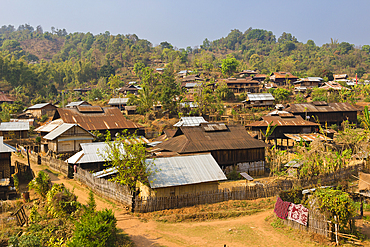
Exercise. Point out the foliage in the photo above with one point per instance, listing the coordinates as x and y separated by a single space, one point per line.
336 203
128 159
224 92
41 184
61 202
280 94
27 240
270 129
98 229
294 196
16 181
234 175
229 66
91 204
43 118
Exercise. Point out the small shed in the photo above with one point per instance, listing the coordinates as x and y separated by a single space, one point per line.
181 175
67 138
14 130
259 99
39 110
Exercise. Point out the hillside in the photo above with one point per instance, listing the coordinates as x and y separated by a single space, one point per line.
43 48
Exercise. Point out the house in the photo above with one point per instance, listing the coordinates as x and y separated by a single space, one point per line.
231 146
180 175
92 156
130 109
340 77
14 130
30 121
282 78
330 113
259 77
120 103
243 85
191 78
96 118
66 138
129 89
6 183
39 110
77 103
82 90
5 99
160 70
333 86
259 99
48 127
286 123
246 73
5 159
309 82
190 121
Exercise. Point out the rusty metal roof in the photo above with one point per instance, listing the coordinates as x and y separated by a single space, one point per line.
196 139
109 118
282 121
308 137
311 107
281 74
333 85
4 98
88 108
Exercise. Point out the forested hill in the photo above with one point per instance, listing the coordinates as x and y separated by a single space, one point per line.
42 61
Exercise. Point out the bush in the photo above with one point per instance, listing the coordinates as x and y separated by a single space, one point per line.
61 202
41 184
27 240
95 230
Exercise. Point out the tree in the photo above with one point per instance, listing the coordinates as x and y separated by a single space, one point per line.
128 157
114 82
224 92
165 44
229 66
138 67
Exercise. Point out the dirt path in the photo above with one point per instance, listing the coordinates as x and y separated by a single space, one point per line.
251 230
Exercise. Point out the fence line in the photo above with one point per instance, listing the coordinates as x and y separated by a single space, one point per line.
150 204
55 164
105 188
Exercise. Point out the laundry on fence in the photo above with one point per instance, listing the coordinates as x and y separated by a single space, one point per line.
281 208
298 213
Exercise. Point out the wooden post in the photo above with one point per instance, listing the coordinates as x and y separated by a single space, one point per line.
336 230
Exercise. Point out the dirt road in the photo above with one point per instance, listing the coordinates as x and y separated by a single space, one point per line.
251 230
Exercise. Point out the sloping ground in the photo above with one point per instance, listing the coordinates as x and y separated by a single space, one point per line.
43 48
256 228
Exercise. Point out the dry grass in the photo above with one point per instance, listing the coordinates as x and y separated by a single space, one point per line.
222 210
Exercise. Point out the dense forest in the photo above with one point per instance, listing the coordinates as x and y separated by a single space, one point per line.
37 65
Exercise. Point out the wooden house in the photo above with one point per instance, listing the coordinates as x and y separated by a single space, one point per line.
242 85
5 159
5 99
247 73
309 82
180 175
330 113
14 130
42 109
286 123
260 77
259 99
129 89
340 77
282 78
97 118
231 146
130 109
333 86
66 139
120 103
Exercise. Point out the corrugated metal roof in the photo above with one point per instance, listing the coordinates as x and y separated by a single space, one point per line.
4 98
118 101
184 170
192 84
89 109
190 121
260 96
282 121
91 153
63 128
49 126
330 107
77 103
38 106
14 126
5 148
333 85
196 139
110 118
308 137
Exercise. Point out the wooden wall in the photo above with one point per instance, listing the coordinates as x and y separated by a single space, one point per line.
5 165
230 157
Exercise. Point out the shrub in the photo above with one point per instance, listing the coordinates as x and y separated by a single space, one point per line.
61 201
95 230
41 184
27 240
